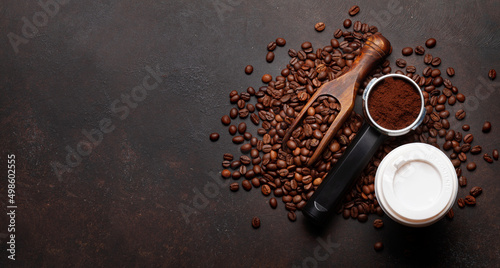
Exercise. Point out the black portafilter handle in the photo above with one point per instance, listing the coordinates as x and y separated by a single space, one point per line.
345 172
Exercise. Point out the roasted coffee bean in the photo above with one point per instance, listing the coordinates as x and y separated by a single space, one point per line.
234 186
456 162
476 149
460 114
271 46
255 182
238 139
462 157
466 148
486 127
468 138
407 51
357 26
225 120
246 185
470 200
232 130
267 78
419 50
280 41
292 216
347 23
354 10
226 173
255 119
245 148
427 58
270 56
362 217
378 223
273 203
228 156
471 166
248 69
243 113
401 63
452 100
438 81
495 154
450 71
226 163
411 69
462 181
255 222
476 191
320 26
265 189
460 97
492 74
465 127
233 113
242 128
236 175
214 136
430 43
378 246
487 158
461 202
245 160
450 214
346 213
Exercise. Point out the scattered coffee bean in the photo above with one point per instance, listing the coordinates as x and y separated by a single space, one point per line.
232 129
468 138
407 51
476 149
492 74
461 202
430 43
248 69
378 246
466 127
265 189
270 56
271 46
476 191
347 23
495 154
292 216
470 200
462 181
320 26
471 166
246 185
450 71
226 173
267 78
280 41
460 97
427 59
273 203
354 10
245 148
450 214
214 136
401 63
378 223
234 186
255 222
419 50
225 120
487 158
486 127
460 114
436 61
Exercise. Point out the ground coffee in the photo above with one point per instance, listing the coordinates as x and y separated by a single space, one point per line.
394 103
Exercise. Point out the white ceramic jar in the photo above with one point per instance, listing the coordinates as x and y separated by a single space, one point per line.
416 184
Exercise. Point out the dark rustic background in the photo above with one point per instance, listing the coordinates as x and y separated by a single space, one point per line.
122 204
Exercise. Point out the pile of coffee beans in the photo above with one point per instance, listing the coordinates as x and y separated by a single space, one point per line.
281 172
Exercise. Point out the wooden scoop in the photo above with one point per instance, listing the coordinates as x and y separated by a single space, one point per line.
344 89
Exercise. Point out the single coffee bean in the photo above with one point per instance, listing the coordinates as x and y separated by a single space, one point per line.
248 69
486 127
238 139
362 217
236 175
265 189
468 138
245 160
460 97
438 81
435 73
320 26
419 50
273 203
214 136
470 200
462 157
292 216
280 41
456 162
245 148
378 246
411 69
487 158
450 214
466 127
460 114
492 74
471 166
378 223
267 78
232 130
246 185
476 191
466 148
495 154
242 127
401 63
271 46
354 10
450 71
430 43
234 186
427 58
347 23
233 113
407 51
255 222
306 45
462 181
461 202
228 156
226 173
476 149
270 56
225 120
